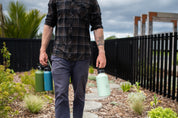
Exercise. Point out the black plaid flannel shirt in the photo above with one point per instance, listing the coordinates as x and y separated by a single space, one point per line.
72 19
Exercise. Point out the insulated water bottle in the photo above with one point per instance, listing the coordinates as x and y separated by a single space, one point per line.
48 82
102 83
39 80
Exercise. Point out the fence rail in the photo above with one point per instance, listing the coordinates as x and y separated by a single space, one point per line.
150 60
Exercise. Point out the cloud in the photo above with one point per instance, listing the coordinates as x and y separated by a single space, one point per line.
117 15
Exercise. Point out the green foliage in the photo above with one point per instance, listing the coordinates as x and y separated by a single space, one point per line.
114 103
159 112
19 23
49 98
91 70
125 86
29 79
33 103
92 77
91 85
111 37
136 101
137 86
6 55
155 101
9 90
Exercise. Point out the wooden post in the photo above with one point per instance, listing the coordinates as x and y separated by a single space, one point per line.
136 19
143 25
174 25
150 22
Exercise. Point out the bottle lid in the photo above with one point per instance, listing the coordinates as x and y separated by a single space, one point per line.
39 68
47 68
101 70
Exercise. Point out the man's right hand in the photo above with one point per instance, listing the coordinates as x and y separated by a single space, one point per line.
43 58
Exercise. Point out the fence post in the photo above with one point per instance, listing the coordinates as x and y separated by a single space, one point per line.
174 67
165 68
170 66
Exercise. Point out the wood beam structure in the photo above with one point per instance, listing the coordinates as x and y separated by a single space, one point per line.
136 20
143 24
162 17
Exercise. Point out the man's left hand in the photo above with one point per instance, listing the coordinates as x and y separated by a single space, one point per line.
101 60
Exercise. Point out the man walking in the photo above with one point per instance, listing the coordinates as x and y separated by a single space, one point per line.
71 51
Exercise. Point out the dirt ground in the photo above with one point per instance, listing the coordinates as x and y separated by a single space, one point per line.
115 106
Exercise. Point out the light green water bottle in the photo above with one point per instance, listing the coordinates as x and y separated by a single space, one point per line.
102 83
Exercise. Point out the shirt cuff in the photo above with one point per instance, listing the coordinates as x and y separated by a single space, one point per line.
96 27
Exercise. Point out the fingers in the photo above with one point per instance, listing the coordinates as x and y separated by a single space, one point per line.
97 63
100 63
43 59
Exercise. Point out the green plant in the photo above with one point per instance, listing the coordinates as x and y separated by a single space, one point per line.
137 86
91 70
6 55
92 77
49 98
19 23
125 86
114 103
9 90
155 101
159 112
33 103
91 85
28 78
136 101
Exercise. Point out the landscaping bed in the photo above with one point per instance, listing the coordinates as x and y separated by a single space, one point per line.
114 106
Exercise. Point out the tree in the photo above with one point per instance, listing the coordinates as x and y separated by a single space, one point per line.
21 24
111 37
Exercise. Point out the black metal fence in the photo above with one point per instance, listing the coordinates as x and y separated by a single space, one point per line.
150 60
24 53
155 61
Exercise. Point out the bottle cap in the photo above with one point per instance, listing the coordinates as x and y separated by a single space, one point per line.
47 68
39 68
101 70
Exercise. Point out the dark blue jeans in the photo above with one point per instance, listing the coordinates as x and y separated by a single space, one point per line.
62 70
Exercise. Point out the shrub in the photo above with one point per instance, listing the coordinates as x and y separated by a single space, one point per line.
125 86
29 79
9 90
155 101
92 77
6 55
159 112
136 101
91 70
91 85
33 103
137 86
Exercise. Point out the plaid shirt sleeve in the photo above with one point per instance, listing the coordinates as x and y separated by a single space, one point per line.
95 16
51 17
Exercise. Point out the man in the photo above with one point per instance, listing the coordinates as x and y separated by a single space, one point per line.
71 51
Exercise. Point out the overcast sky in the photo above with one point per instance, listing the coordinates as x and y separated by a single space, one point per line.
117 15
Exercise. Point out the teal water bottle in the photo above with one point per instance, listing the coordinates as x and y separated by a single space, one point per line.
39 80
102 83
48 82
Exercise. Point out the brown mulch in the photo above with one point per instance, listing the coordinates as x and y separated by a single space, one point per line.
115 106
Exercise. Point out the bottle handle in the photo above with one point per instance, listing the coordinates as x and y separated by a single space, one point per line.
49 64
